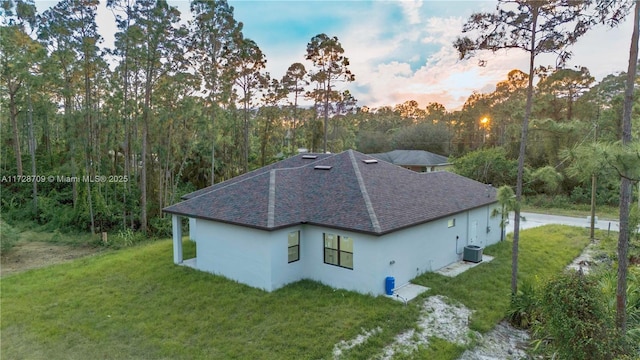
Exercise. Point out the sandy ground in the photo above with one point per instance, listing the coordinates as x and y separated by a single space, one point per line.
439 318
343 346
503 342
585 260
32 255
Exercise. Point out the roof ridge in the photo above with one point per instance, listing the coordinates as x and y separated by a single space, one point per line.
230 184
365 194
271 207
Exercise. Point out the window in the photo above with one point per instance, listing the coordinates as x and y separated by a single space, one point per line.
452 222
294 246
338 250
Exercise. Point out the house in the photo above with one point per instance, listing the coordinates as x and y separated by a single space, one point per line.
347 220
416 160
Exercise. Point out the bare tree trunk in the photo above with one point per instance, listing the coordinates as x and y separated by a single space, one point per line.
89 197
213 160
127 141
16 133
143 178
71 141
326 115
626 186
245 134
90 145
213 142
144 155
523 147
32 152
294 146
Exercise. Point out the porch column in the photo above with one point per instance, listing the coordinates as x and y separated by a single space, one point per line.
177 239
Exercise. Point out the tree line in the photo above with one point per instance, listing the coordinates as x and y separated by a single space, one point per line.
181 106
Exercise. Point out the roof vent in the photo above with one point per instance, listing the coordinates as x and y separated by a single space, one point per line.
309 156
322 167
370 161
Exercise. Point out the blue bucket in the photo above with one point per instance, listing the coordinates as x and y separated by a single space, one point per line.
389 285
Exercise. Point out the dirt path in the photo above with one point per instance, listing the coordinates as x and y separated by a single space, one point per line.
35 254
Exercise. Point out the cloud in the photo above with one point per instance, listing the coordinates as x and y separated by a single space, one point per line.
436 79
411 9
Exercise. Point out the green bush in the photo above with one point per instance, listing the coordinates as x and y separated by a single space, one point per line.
489 166
580 195
8 237
607 279
161 227
524 310
124 238
576 321
557 201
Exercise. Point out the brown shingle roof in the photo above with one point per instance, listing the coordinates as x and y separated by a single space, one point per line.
412 157
373 198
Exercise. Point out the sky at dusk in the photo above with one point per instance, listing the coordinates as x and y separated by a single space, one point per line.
398 50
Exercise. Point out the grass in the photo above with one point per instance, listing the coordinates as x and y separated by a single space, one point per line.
30 231
438 349
543 252
136 304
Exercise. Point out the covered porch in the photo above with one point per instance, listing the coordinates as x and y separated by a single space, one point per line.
178 254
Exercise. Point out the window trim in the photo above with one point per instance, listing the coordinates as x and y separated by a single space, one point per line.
289 261
337 250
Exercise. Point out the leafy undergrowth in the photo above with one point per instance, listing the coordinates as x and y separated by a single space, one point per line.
9 236
543 252
136 304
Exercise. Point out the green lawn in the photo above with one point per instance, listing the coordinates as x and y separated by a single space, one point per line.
544 251
135 304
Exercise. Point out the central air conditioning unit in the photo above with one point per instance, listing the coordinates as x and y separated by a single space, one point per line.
472 253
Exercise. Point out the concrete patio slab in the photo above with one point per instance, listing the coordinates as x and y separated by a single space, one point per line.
407 292
192 263
459 267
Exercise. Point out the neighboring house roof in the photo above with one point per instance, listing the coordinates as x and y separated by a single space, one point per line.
412 157
375 198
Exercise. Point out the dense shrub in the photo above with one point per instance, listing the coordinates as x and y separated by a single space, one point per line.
122 239
580 195
8 237
572 315
524 310
555 202
576 321
488 166
161 227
